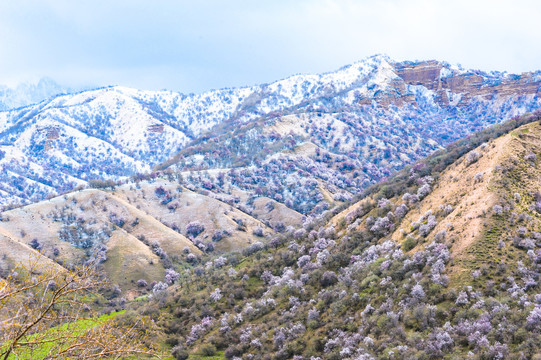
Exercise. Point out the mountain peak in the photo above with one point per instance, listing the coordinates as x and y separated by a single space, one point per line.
28 93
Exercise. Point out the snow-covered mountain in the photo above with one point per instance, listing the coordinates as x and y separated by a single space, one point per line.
28 93
375 115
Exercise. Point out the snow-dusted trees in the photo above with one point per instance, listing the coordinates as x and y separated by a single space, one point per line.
194 228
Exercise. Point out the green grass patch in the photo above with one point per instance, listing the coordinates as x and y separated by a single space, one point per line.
220 355
74 328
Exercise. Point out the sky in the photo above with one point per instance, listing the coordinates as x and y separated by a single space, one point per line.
198 45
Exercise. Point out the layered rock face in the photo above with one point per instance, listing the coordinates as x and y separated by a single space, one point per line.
447 81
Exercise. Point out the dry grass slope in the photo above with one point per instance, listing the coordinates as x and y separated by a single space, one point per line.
473 189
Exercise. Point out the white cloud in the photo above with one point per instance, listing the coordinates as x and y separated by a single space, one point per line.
194 46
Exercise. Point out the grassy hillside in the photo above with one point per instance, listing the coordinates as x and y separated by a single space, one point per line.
47 338
441 261
135 231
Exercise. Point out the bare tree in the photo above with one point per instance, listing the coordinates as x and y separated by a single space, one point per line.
44 313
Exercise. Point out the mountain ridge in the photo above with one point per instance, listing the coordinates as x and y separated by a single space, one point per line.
115 133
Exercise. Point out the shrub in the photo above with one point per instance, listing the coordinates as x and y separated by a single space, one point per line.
194 228
279 226
171 276
472 157
534 318
258 231
232 352
101 184
36 244
425 229
179 353
423 191
409 243
531 156
208 350
217 236
328 278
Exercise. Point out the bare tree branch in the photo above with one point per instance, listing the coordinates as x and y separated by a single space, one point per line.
41 310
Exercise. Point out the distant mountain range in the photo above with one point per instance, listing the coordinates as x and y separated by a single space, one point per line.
28 93
330 135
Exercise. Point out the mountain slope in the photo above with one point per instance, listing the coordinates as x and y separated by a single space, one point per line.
481 189
85 226
135 231
398 275
15 253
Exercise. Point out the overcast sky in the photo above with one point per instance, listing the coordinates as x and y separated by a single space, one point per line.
193 46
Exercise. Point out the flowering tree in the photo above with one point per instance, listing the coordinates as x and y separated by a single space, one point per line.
171 276
216 295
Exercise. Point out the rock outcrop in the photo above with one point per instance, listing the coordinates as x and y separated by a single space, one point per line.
447 81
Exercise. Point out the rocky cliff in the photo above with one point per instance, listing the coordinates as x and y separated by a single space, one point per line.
449 82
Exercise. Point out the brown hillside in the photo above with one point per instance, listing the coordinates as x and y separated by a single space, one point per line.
134 219
187 206
487 197
129 256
